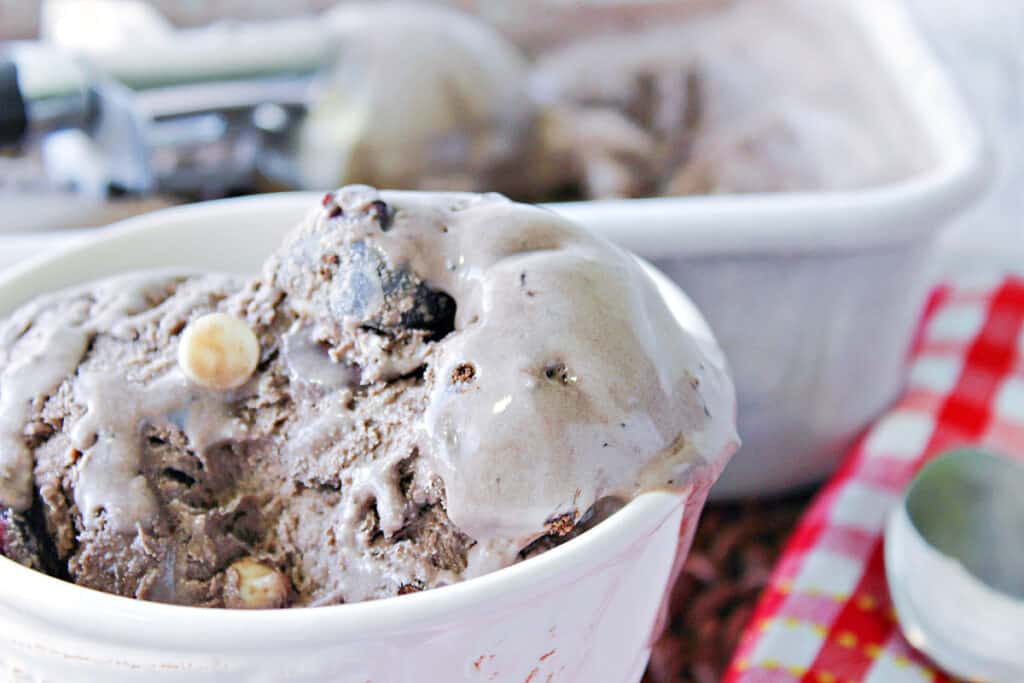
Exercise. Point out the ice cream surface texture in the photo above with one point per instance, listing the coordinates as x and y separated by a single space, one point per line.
420 388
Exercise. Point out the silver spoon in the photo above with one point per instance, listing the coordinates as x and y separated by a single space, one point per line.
954 556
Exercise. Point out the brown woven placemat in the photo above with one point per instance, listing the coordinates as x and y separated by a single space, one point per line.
732 557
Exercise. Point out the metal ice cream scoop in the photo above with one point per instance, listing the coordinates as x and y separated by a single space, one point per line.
954 554
138 124
118 101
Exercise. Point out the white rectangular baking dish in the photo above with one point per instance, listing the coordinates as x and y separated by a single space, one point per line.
815 296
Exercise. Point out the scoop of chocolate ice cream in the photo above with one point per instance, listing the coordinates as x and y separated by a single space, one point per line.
418 389
420 96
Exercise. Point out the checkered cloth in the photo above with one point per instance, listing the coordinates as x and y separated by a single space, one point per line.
826 616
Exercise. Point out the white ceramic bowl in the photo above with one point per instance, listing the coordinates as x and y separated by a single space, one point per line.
585 611
815 296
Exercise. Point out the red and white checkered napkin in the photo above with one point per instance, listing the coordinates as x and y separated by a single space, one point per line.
826 616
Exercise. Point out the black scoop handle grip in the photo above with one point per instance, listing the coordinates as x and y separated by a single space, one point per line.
13 112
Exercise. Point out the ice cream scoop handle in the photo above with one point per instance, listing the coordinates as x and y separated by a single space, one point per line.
13 112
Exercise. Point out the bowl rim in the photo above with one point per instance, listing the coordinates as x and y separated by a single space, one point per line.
115 619
66 606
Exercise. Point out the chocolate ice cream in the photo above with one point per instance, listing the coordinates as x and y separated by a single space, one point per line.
765 96
418 389
711 98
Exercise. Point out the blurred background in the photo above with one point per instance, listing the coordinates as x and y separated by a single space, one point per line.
244 148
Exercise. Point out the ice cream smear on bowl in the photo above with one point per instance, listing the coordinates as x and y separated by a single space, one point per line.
420 388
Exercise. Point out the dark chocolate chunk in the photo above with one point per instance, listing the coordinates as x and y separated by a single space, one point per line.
388 300
22 542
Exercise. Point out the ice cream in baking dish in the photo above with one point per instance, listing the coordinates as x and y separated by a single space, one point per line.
749 97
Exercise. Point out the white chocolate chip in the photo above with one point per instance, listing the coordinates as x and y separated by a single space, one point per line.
218 351
252 584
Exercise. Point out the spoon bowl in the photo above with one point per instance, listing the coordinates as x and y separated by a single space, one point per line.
954 555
